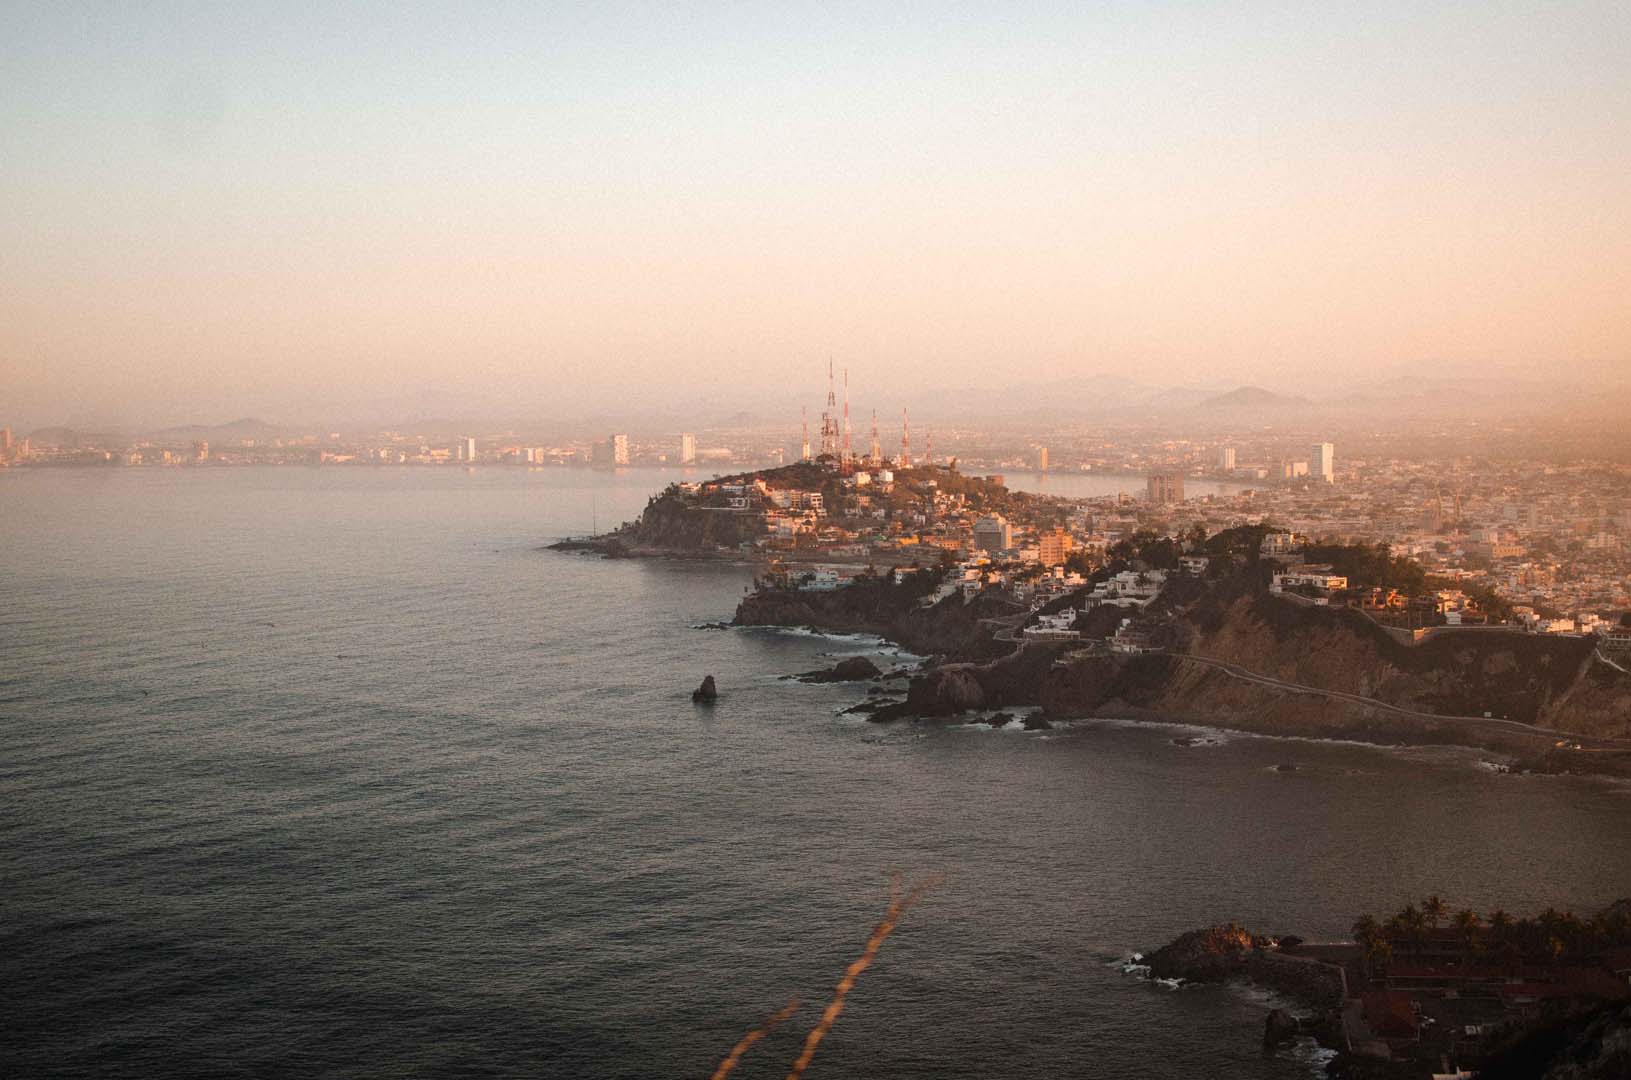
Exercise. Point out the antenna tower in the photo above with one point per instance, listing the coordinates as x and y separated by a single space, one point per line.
829 421
877 451
846 416
905 441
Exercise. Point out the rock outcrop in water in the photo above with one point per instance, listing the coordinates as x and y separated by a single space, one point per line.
1210 955
707 693
877 606
852 669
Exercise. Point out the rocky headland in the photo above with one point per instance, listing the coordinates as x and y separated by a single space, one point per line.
1239 658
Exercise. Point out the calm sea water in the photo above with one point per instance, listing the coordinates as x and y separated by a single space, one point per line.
333 772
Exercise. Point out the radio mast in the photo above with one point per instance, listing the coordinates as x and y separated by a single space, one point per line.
829 421
846 417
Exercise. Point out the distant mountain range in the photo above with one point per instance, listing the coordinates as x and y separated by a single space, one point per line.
1253 397
1107 400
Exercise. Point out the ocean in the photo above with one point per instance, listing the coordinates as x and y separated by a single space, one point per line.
334 772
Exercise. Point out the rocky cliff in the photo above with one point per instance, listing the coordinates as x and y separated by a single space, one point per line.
1550 681
950 628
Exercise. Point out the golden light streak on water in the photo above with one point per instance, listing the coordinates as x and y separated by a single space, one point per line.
752 1037
829 1016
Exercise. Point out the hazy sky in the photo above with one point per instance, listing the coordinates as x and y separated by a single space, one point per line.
217 210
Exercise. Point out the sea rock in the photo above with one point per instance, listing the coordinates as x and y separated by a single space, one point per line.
871 705
1279 1027
854 669
945 691
1209 955
707 693
1035 722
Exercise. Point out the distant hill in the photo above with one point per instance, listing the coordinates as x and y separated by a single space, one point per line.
65 438
1252 397
247 428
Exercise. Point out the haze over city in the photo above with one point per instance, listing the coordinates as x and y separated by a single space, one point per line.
371 213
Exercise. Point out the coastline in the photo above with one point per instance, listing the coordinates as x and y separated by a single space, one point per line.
961 647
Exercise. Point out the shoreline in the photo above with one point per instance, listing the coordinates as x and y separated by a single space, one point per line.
1247 706
1518 754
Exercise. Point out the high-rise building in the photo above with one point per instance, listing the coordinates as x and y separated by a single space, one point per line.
201 452
1165 487
1226 459
688 448
993 533
1054 547
620 449
465 450
5 441
1042 459
1322 462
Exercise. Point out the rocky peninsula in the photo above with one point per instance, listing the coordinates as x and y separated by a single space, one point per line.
1241 659
1209 643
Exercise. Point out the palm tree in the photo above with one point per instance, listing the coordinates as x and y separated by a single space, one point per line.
1466 924
1366 930
1411 921
1433 909
1501 925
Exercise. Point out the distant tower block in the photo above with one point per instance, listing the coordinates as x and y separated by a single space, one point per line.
804 421
877 450
1226 459
1322 462
688 448
1042 459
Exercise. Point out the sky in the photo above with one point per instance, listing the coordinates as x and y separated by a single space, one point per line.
390 210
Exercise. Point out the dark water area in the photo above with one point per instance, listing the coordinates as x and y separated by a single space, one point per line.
1093 485
333 772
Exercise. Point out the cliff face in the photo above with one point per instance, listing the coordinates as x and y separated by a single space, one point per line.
1537 679
950 628
668 524
1447 682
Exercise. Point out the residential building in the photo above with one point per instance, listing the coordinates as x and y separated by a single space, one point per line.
993 533
1054 547
1226 459
688 448
620 449
1165 488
